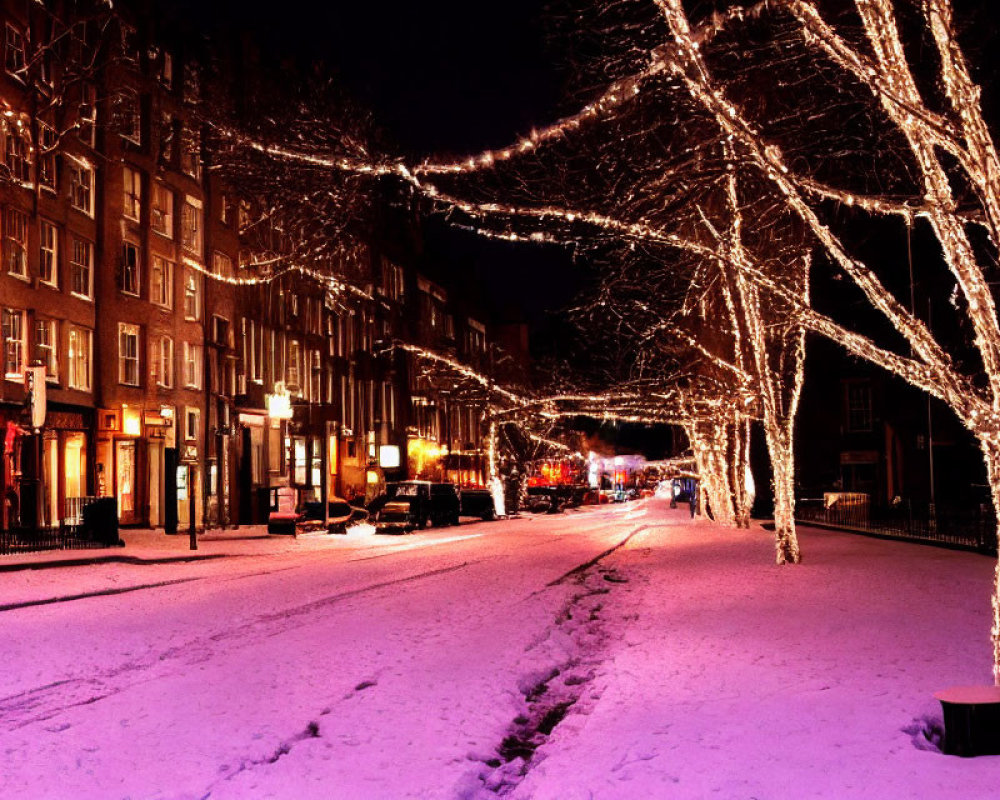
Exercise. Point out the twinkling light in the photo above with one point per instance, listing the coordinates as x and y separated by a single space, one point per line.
958 131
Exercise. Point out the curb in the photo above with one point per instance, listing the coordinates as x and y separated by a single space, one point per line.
84 562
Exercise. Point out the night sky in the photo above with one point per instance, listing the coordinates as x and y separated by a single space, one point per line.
441 78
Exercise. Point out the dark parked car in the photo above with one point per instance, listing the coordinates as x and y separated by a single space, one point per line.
339 514
426 503
445 504
394 517
478 503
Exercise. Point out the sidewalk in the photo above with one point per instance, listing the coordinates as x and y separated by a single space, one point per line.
149 546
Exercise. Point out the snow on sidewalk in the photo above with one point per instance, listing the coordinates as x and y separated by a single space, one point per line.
734 678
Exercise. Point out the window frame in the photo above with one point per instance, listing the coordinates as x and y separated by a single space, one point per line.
15 349
131 193
194 365
136 271
78 359
47 255
160 215
126 357
48 352
10 47
81 193
76 265
165 362
193 236
192 295
165 300
15 242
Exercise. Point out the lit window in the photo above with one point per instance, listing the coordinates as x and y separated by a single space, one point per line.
13 343
81 178
192 365
130 269
161 282
15 242
82 268
48 253
162 211
46 340
192 295
128 354
222 265
164 359
191 225
80 343
132 205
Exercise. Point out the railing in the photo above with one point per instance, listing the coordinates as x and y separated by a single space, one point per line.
972 528
78 530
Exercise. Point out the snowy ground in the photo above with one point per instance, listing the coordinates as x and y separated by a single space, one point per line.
506 658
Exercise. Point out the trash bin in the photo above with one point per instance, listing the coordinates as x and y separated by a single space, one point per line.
100 521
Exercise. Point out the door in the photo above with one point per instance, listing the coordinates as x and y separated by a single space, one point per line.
156 484
125 476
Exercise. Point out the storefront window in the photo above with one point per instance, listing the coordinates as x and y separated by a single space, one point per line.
125 477
300 460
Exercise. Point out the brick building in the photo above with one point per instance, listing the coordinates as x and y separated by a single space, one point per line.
176 380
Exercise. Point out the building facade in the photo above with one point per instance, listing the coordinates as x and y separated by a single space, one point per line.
176 379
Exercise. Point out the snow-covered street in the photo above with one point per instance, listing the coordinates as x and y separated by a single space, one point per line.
533 658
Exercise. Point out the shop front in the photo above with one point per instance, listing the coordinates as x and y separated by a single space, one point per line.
425 459
132 453
66 458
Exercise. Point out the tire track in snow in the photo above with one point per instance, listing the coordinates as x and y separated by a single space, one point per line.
581 568
45 702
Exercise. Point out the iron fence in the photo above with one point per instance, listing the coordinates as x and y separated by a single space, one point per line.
972 528
79 528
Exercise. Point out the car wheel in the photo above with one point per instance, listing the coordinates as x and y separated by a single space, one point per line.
489 516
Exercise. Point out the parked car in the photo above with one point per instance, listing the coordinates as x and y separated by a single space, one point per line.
394 517
338 515
445 504
426 503
477 502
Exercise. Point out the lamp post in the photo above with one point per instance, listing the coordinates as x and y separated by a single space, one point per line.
191 507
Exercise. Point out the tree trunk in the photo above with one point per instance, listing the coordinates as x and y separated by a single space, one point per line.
780 447
710 443
991 454
739 466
